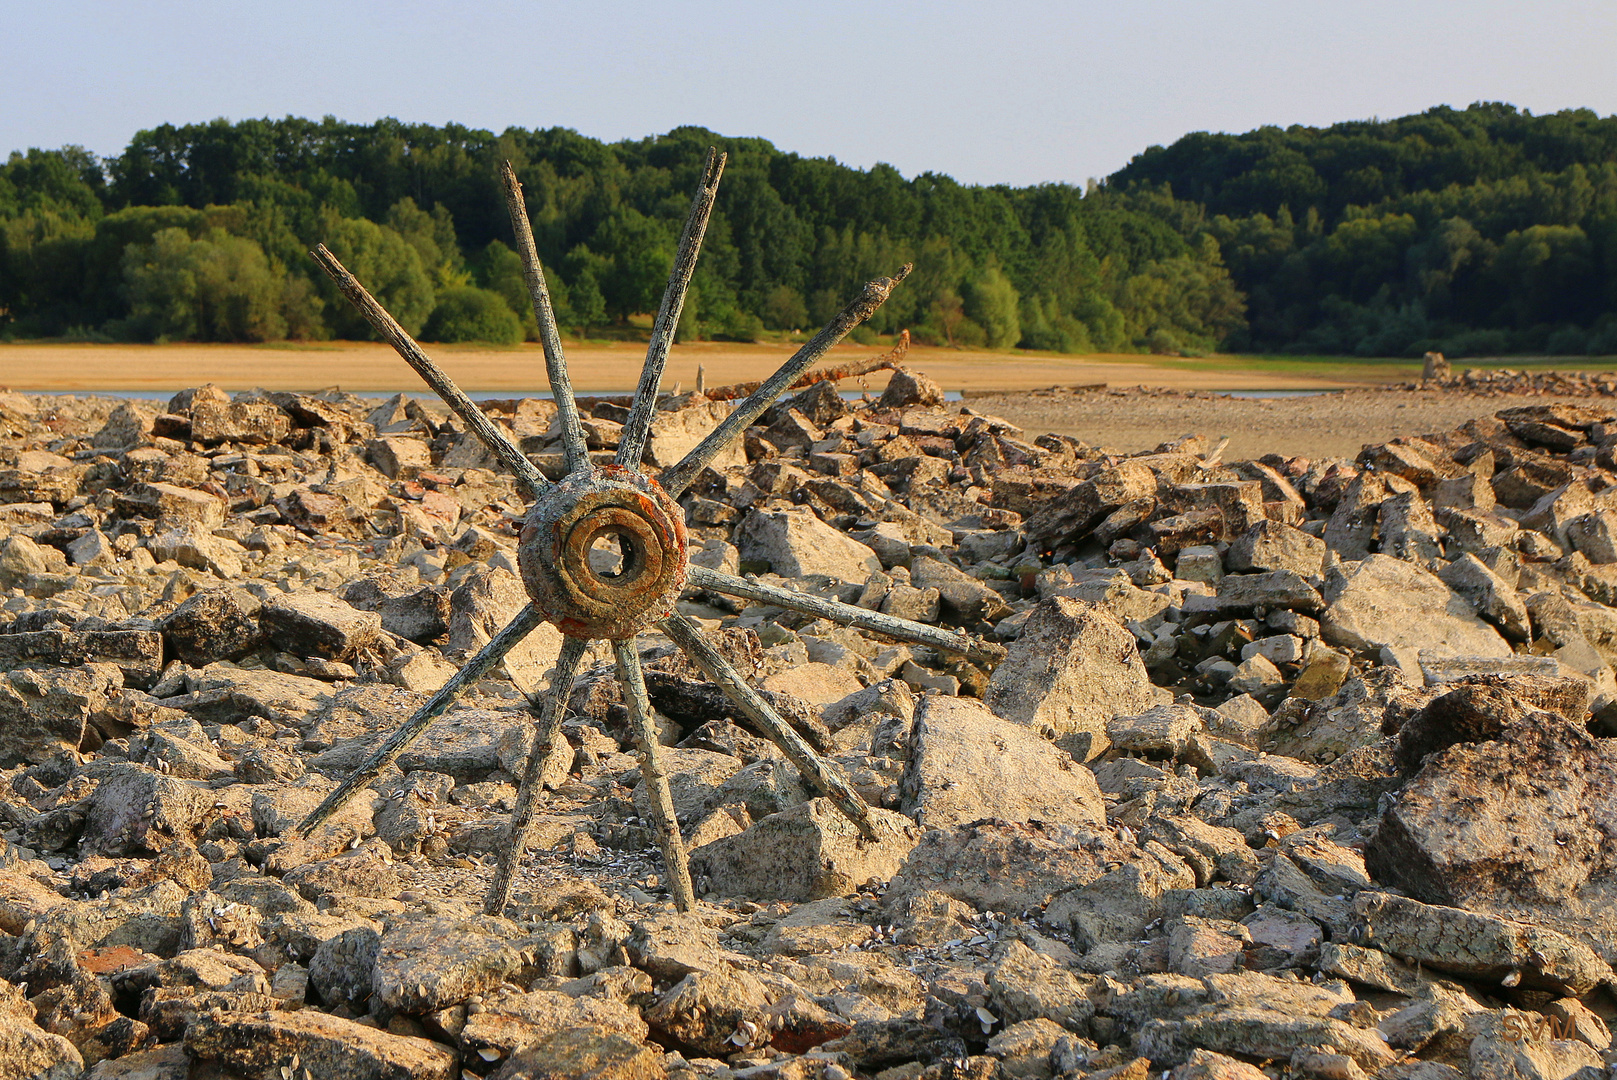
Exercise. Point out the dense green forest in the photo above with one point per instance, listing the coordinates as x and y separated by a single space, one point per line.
1486 230
1480 232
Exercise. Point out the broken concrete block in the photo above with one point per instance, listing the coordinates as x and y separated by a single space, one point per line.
794 543
807 852
1073 668
965 764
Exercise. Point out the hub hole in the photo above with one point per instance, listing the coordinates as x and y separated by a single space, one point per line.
612 554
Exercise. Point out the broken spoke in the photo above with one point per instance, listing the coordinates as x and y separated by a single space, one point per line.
574 452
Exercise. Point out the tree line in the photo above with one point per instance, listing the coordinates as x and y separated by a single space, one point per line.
1486 230
1481 231
201 232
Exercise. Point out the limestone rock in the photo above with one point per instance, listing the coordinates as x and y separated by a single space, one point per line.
1490 595
430 964
1010 867
584 1053
1073 668
804 853
418 614
965 764
906 388
1389 604
794 543
342 968
1516 824
1024 985
173 505
1477 946
260 422
482 606
216 624
508 1021
138 654
1260 1016
43 712
138 810
706 1010
191 544
27 1051
318 624
260 1045
676 432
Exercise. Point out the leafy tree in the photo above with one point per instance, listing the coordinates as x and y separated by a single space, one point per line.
1044 327
433 237
467 313
784 309
499 269
216 287
991 301
637 250
945 320
388 265
1549 271
586 303
1449 226
42 269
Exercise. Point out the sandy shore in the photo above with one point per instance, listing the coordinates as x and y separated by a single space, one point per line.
1316 426
370 368
1014 386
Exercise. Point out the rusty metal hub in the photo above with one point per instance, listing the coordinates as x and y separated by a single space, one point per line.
603 553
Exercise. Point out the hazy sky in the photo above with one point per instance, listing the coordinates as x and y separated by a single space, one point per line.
1014 91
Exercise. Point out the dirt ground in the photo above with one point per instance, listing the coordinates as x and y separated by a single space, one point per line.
372 368
1016 387
1321 425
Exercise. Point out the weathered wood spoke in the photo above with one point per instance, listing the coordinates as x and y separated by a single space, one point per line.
862 307
485 660
637 429
549 708
475 419
700 577
665 824
827 778
574 453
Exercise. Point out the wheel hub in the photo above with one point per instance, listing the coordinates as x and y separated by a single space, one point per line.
603 553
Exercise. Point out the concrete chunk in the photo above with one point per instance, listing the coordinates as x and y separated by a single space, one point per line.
966 764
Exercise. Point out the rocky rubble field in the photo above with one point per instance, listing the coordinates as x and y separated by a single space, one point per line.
1291 767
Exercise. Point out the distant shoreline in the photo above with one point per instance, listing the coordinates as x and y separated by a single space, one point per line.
371 368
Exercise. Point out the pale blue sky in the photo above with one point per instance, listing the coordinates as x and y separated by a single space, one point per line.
1018 91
